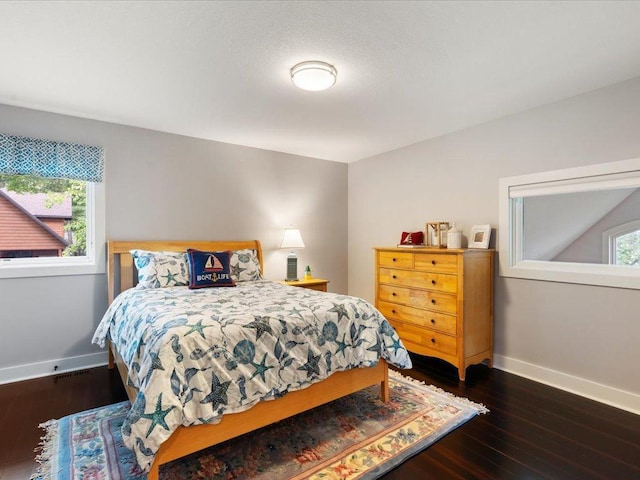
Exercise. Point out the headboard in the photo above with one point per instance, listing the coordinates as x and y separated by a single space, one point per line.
121 273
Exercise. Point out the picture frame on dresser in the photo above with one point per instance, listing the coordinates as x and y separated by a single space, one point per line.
480 236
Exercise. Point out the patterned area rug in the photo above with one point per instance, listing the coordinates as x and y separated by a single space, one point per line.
356 437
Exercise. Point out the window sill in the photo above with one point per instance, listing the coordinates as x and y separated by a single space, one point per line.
51 269
586 274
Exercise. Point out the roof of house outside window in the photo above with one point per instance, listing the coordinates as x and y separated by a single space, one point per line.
26 238
36 204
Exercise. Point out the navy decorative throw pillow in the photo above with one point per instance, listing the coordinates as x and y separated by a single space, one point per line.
209 269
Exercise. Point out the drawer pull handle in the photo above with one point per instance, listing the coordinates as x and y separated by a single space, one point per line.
393 294
433 282
433 301
433 262
394 277
393 259
433 340
393 311
433 322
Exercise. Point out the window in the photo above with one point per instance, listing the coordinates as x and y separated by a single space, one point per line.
537 247
622 244
51 208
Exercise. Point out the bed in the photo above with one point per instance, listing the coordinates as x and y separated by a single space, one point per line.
151 332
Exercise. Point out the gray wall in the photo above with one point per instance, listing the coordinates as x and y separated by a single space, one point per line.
581 331
161 186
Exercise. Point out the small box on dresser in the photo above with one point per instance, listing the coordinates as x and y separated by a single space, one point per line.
439 301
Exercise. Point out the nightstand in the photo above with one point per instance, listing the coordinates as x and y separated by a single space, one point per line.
313 284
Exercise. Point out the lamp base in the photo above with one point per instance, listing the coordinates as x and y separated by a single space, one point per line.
292 268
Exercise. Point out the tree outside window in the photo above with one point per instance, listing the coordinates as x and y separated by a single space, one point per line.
627 249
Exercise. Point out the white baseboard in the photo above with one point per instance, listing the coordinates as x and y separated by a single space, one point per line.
43 369
595 391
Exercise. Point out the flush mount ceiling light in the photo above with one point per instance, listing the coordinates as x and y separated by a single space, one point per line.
313 75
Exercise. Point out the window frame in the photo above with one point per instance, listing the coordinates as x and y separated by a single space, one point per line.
621 174
91 264
610 237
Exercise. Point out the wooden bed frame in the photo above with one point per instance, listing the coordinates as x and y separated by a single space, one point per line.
186 440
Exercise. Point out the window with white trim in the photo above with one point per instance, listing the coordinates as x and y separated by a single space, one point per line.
51 208
618 176
622 244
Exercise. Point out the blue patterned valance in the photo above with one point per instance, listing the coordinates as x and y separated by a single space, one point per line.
51 159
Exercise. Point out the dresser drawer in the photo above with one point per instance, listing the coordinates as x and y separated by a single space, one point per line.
395 259
440 302
436 262
431 339
411 278
418 317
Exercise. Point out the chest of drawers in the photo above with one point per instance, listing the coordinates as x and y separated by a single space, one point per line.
440 301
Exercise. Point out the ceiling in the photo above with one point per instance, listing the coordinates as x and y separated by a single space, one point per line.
407 71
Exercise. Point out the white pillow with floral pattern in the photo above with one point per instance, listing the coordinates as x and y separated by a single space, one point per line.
245 266
160 269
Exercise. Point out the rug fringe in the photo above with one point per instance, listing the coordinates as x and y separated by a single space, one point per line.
44 450
465 401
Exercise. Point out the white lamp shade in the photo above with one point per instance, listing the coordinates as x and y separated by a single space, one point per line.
291 238
313 75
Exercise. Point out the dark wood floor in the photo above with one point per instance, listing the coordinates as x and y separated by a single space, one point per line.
532 432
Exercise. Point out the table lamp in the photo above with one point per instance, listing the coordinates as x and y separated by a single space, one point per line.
292 239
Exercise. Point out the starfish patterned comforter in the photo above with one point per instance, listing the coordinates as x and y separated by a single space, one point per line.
195 355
